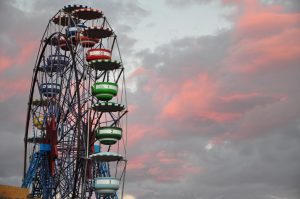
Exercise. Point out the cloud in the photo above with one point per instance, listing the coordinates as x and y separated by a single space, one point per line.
212 116
265 38
13 88
275 52
14 80
229 101
129 197
184 3
161 174
5 62
141 131
21 56
191 99
162 166
275 116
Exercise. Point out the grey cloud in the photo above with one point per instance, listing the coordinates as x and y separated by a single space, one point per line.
188 56
184 3
264 164
258 167
270 167
290 6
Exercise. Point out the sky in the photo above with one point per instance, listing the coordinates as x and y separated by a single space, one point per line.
213 93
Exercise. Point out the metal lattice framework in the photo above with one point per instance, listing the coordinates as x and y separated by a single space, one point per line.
76 127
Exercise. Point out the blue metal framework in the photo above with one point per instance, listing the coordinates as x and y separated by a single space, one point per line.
39 174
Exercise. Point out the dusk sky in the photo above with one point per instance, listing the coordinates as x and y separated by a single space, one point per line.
213 93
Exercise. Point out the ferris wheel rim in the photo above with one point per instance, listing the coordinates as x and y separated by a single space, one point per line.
32 89
48 98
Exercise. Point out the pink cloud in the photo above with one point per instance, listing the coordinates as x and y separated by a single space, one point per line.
165 175
163 166
255 97
265 40
13 87
166 158
139 162
277 51
21 57
132 108
262 120
172 174
222 116
237 105
172 168
191 98
162 87
201 98
136 133
5 62
137 73
139 132
194 99
240 97
265 23
10 87
27 51
265 37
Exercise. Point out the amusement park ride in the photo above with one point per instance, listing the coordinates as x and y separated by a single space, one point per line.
75 136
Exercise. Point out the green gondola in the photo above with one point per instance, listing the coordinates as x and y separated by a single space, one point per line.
109 135
104 91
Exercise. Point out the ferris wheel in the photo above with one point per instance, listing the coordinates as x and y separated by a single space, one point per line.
76 127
